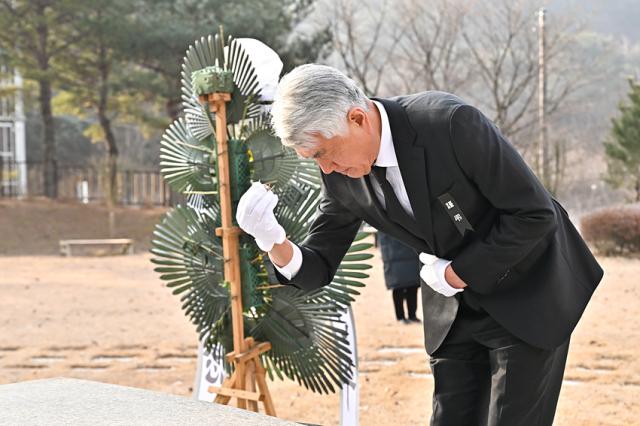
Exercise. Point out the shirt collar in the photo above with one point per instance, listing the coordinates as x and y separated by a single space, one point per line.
387 154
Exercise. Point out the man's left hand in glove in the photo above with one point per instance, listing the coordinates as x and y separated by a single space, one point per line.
438 274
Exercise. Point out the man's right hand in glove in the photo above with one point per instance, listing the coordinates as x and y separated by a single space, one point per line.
255 216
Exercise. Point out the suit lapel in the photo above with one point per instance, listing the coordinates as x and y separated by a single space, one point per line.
411 161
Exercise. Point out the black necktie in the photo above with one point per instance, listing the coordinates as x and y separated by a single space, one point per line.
392 205
394 209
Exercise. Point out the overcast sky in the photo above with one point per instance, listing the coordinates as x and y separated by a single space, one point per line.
617 17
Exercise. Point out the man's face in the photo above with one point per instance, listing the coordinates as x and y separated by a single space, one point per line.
350 154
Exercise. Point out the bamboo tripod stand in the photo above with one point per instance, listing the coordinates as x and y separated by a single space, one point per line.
245 356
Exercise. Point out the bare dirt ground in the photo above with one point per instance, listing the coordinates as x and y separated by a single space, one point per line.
112 320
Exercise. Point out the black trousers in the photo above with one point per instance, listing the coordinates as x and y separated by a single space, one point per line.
485 376
410 295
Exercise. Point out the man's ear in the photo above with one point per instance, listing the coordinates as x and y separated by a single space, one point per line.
357 116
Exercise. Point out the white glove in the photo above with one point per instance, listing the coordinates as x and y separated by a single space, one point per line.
255 216
432 273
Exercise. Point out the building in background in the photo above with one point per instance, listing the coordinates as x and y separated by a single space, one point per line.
13 148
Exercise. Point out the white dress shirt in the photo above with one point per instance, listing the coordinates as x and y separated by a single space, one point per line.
386 158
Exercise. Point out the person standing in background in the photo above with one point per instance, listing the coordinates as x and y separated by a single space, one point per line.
401 276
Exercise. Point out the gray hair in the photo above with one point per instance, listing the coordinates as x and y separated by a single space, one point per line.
313 99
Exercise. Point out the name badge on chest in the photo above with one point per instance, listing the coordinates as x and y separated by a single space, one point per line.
455 213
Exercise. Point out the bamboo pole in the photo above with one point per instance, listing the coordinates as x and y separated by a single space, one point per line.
249 372
229 234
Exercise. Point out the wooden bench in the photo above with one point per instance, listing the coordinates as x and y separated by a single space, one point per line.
125 244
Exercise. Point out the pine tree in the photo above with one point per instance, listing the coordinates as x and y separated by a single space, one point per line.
95 77
33 34
623 147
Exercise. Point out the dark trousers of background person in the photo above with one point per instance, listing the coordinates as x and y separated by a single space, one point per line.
401 275
408 295
486 376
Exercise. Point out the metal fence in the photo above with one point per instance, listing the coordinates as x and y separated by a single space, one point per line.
86 183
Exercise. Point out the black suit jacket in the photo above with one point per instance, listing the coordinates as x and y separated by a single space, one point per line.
524 261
